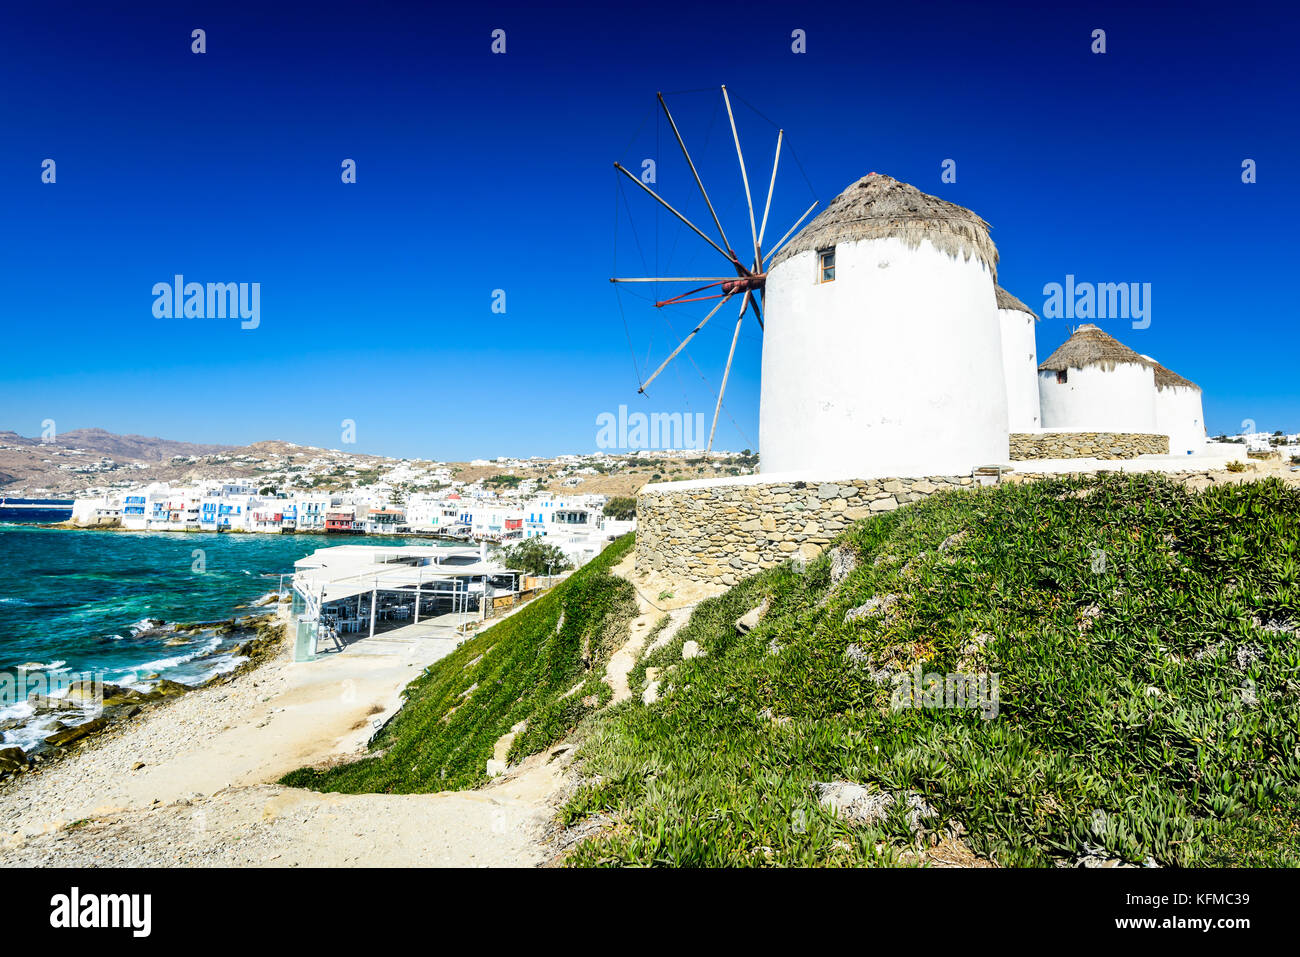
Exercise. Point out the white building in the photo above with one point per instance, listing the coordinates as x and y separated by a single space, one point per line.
882 353
1178 411
1095 383
311 509
98 510
1019 362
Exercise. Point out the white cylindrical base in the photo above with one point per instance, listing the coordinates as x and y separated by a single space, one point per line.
892 369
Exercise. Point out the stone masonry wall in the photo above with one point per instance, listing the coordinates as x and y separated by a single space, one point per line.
726 532
723 532
1026 446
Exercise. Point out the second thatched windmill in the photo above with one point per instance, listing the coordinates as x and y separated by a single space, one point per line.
750 271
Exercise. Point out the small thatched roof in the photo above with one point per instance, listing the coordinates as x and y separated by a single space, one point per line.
879 206
1008 301
1167 378
1089 346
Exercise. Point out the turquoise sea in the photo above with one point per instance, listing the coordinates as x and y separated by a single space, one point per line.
78 601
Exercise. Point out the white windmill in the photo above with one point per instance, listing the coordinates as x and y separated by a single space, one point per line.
750 273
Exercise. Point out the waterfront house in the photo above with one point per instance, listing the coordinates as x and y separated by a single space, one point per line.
267 518
311 512
384 521
341 519
133 511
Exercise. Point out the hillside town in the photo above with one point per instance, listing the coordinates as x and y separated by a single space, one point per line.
576 523
93 462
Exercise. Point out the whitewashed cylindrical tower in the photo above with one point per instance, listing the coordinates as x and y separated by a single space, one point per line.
1179 414
1019 362
1095 383
881 349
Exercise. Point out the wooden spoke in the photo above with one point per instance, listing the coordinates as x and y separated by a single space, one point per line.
749 201
770 186
698 182
727 371
663 202
694 331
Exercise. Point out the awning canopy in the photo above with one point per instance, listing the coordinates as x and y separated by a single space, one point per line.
333 574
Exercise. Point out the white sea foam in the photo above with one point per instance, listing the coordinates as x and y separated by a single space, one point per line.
37 666
229 664
132 675
20 710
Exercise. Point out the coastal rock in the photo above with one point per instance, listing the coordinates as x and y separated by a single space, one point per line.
61 739
45 703
122 696
12 760
166 688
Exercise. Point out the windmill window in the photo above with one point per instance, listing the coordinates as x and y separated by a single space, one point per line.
826 265
1061 376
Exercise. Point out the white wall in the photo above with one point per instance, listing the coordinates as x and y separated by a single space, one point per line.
1020 369
893 369
1179 416
1095 399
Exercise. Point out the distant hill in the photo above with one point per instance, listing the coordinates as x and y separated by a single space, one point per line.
137 447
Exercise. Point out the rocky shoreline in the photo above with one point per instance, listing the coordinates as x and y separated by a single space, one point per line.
257 638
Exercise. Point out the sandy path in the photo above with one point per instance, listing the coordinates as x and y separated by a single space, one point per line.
205 794
676 599
272 826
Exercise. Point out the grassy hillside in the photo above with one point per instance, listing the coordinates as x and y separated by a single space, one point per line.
519 669
1148 703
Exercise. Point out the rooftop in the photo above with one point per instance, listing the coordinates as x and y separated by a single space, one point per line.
1089 346
1008 301
878 206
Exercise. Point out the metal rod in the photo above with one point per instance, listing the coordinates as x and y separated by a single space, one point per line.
770 187
678 301
753 231
664 203
789 232
726 372
712 312
681 296
689 162
709 279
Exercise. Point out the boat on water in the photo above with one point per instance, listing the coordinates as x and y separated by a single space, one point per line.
35 509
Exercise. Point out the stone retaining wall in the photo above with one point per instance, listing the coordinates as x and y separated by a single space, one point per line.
1026 446
723 531
707 531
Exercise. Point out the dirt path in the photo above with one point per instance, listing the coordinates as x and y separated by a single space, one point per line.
501 825
204 794
672 598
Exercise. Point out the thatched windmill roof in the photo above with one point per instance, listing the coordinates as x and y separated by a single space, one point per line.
1167 378
1089 346
879 206
1008 301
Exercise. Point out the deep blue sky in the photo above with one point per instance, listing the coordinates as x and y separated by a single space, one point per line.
478 172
